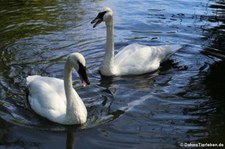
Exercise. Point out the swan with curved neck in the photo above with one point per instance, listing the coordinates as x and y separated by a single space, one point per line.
134 59
56 99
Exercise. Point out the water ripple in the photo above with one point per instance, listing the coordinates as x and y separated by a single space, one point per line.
177 103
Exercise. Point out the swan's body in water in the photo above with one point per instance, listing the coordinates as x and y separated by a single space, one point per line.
134 59
56 99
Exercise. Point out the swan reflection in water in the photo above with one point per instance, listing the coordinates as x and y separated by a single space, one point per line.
70 139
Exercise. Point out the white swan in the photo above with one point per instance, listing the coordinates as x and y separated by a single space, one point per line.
134 59
56 99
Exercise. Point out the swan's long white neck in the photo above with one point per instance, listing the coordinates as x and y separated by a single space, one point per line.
107 66
75 106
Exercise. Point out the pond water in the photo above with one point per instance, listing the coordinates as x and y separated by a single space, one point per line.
182 102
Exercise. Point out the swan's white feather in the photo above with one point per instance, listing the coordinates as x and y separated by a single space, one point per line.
56 99
137 59
134 59
47 97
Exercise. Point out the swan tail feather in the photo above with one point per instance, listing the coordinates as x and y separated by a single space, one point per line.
170 50
174 48
31 78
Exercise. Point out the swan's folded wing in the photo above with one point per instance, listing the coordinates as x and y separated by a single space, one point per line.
139 59
47 96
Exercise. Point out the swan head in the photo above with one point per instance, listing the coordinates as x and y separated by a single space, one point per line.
105 15
77 60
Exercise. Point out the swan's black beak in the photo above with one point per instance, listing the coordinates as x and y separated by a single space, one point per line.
98 19
83 75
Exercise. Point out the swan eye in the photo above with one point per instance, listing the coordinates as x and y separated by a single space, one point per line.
101 14
98 19
81 66
82 73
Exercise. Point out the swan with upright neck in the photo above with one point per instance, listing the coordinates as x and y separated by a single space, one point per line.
56 99
134 59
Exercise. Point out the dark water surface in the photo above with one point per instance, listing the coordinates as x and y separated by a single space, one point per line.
182 102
